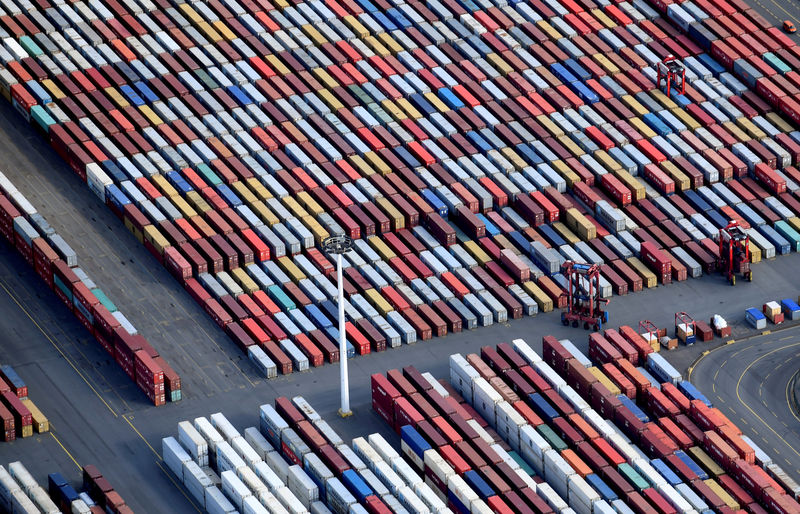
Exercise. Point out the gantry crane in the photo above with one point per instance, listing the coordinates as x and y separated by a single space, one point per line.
673 71
584 304
734 252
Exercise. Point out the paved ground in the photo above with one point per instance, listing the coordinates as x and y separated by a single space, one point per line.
777 11
749 382
100 417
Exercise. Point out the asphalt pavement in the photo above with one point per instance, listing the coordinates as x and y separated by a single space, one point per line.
778 11
749 382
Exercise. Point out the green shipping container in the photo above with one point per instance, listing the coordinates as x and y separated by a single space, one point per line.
209 174
633 477
776 63
359 93
789 233
378 112
108 304
42 118
206 79
30 46
64 288
522 464
279 297
556 442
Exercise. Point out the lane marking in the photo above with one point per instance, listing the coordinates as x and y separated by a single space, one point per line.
128 421
58 349
788 403
64 448
738 384
779 6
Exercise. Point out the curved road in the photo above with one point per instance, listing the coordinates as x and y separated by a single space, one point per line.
749 382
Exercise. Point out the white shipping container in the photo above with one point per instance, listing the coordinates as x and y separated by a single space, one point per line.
552 378
409 499
193 442
209 433
217 503
279 466
245 451
483 434
382 446
552 498
319 508
227 458
249 477
383 470
461 376
272 503
366 452
42 500
405 472
26 481
266 474
258 442
674 497
302 486
339 498
173 454
352 458
509 422
581 495
425 493
435 464
235 489
196 481
485 398
251 505
290 501
525 351
532 447
557 472
459 488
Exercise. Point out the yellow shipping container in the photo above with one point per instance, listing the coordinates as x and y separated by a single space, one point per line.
499 63
608 66
148 113
436 102
135 231
325 78
548 29
607 161
313 34
209 32
154 236
663 99
197 201
243 279
182 205
381 248
396 217
722 493
682 182
634 105
258 189
687 119
568 235
566 172
794 221
294 206
244 192
356 27
393 110
736 132
477 252
310 205
330 100
163 185
504 244
54 90
549 125
544 302
264 213
648 277
290 268
750 128
409 109
603 18
636 187
40 422
375 160
376 46
642 128
578 223
277 65
571 145
705 461
319 232
282 4
190 13
373 296
779 121
514 158
223 30
755 253
598 373
361 165
390 43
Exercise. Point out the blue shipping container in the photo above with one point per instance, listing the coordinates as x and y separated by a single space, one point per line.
542 407
356 485
478 484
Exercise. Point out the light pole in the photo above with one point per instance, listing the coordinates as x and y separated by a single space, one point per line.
339 245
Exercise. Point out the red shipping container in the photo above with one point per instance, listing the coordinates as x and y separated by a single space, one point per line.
657 261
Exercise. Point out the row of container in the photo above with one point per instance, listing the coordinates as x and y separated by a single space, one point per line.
21 494
56 263
19 416
313 470
135 220
488 404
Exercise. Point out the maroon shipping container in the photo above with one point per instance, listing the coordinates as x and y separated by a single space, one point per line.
657 261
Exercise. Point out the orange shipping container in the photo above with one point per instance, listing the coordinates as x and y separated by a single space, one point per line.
577 463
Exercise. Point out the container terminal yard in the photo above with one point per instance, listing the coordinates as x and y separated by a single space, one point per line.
575 226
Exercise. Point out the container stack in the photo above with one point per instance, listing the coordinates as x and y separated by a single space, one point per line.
57 264
773 312
20 417
231 139
20 493
314 470
659 446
